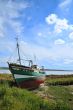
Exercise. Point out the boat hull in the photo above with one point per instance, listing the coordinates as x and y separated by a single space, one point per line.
26 78
29 83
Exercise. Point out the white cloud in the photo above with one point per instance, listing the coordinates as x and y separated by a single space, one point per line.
51 19
61 24
17 27
65 3
8 11
13 8
58 23
59 42
71 35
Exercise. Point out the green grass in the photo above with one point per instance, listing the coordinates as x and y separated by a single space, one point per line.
56 97
20 99
62 94
6 77
60 80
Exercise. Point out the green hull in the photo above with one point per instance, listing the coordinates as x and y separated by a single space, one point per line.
26 77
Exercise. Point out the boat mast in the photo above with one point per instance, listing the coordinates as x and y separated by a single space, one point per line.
19 59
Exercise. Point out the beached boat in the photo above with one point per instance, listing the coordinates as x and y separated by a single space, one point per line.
26 76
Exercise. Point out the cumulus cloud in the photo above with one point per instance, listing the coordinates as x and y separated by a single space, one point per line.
51 19
71 35
60 49
65 3
59 42
60 24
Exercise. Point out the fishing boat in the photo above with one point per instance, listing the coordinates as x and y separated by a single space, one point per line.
30 76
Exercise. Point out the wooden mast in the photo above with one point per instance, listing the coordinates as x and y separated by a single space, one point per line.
19 59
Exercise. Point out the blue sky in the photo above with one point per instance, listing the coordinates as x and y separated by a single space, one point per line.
44 28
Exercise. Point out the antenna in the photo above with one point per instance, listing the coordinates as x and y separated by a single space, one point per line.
35 59
19 59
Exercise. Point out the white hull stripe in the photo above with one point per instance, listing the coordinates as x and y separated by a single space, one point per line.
17 76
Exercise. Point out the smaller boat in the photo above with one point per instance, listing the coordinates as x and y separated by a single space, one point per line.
30 76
